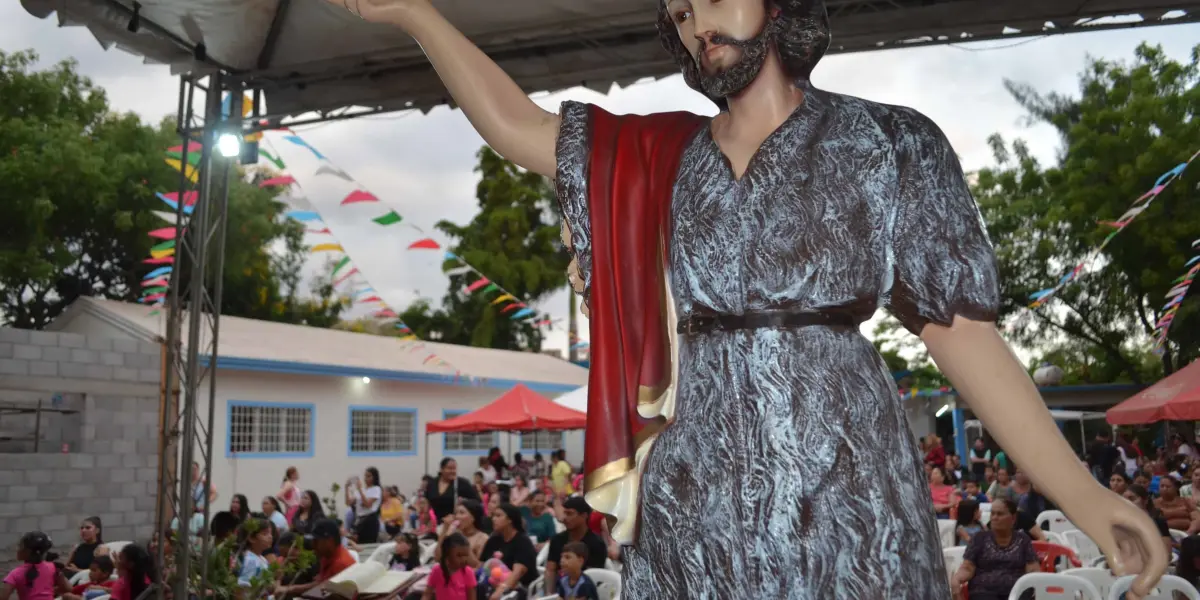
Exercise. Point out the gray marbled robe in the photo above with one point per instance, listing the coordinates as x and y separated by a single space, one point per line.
790 471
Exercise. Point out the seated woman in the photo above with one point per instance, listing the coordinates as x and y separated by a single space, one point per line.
944 496
1140 496
997 558
514 548
1179 512
392 513
91 545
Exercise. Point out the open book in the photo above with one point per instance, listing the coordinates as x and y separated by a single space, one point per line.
367 579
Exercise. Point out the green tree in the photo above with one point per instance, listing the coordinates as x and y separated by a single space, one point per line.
514 240
79 185
1129 124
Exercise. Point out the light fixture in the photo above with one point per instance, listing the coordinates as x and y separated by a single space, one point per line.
366 380
229 145
941 411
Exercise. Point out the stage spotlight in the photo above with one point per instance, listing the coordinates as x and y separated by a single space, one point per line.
229 145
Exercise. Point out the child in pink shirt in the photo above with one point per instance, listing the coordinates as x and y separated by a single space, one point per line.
451 578
36 579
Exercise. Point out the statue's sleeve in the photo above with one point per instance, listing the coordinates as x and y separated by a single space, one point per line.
944 264
573 151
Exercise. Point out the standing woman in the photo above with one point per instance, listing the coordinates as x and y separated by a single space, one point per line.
91 545
309 511
366 496
443 494
289 491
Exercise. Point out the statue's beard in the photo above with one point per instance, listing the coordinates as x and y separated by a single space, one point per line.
731 80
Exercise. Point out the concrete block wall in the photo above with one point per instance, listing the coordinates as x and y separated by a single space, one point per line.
112 471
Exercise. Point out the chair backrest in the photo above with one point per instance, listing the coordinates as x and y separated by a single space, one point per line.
954 559
1177 535
1054 520
543 555
946 529
79 578
427 549
607 582
354 553
1084 547
1103 579
1049 554
383 553
114 548
1166 590
985 513
1054 586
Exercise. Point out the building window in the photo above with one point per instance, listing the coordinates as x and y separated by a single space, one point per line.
542 440
382 431
468 442
270 429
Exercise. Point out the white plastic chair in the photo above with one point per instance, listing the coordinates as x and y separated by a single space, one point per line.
946 529
1084 547
1054 521
1177 535
543 555
1166 590
608 583
985 513
954 560
1103 579
114 548
559 527
538 587
382 553
78 578
354 553
1054 586
427 549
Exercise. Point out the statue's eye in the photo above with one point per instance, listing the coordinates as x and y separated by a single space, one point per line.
682 16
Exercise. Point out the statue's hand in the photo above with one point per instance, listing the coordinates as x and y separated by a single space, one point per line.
1125 534
375 10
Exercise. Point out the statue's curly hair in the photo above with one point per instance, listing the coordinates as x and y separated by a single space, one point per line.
803 39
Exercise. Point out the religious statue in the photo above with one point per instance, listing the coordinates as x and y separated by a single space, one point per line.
745 435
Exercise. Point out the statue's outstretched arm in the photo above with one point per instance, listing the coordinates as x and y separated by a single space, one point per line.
501 112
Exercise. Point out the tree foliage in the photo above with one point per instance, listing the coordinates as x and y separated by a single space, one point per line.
1130 123
515 240
79 183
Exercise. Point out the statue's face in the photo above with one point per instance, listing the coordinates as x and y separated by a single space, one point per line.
728 39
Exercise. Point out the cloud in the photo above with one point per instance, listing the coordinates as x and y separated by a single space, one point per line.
421 165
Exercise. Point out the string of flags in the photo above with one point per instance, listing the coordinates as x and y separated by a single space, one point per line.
1174 298
345 274
509 304
1138 207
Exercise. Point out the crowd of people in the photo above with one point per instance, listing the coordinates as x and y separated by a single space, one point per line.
1165 482
502 516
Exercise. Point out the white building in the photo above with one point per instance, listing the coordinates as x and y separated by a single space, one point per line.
332 403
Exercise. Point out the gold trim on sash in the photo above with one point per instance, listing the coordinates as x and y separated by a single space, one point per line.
608 473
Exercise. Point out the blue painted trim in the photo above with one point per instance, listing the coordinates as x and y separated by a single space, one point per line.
312 429
561 442
960 433
448 414
1099 387
369 408
298 368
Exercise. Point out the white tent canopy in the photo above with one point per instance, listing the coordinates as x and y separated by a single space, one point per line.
310 55
1058 415
574 400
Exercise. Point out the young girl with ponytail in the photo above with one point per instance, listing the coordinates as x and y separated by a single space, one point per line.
37 578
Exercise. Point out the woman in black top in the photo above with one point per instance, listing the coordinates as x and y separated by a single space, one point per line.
91 545
444 492
1140 496
515 548
309 512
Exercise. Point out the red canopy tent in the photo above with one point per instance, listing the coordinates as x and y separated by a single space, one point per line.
519 409
1176 398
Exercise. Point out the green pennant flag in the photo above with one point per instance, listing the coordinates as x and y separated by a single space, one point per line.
389 219
341 263
193 157
154 290
167 245
491 287
276 161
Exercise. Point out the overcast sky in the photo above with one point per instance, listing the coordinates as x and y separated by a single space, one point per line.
421 165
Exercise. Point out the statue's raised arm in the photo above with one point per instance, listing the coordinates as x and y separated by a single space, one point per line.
497 107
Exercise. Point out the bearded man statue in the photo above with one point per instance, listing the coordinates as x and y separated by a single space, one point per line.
746 439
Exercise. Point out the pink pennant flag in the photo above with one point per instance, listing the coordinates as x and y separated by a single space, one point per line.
319 231
281 180
156 282
370 299
386 313
425 244
429 358
165 260
482 281
343 278
153 297
166 233
189 198
512 306
359 196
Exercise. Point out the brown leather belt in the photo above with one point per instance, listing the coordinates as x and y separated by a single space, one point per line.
697 324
